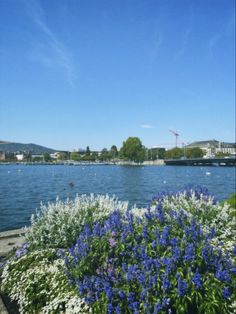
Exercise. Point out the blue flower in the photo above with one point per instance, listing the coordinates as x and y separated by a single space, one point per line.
109 293
226 293
143 294
110 308
157 308
174 242
182 286
154 244
131 297
197 280
160 213
145 232
165 282
118 309
234 250
189 253
165 235
22 250
222 275
176 254
122 294
135 307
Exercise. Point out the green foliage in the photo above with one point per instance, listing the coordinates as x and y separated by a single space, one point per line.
114 152
133 150
63 156
88 151
105 155
10 157
37 159
155 153
75 156
174 153
47 157
221 154
38 283
231 201
177 152
195 152
174 232
164 257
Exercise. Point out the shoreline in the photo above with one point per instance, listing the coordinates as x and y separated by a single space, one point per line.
159 162
11 239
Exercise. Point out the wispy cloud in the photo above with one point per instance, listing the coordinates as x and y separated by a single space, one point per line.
226 31
183 45
147 126
156 45
49 50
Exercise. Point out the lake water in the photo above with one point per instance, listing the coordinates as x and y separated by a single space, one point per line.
23 187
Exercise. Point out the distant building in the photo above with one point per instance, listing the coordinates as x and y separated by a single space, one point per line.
55 155
2 156
213 147
20 157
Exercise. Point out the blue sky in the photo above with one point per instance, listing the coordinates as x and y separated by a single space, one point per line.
76 73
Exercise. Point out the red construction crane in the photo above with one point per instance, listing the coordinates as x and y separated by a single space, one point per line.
176 134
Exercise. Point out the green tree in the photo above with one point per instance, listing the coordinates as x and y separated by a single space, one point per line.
10 157
37 159
114 152
88 151
174 153
194 152
75 156
161 153
105 155
93 156
133 150
221 154
47 157
63 156
155 153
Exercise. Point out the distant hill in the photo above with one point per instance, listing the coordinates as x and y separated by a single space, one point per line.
4 142
8 147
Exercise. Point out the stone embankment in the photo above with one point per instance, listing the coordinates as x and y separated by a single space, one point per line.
9 240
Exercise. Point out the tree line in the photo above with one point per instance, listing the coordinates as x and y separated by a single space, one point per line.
131 150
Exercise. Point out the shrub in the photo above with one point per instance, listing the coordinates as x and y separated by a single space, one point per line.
199 204
91 255
58 224
37 281
158 262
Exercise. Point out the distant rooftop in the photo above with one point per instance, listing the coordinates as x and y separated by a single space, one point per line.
211 143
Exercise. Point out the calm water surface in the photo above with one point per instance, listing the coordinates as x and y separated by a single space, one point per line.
23 187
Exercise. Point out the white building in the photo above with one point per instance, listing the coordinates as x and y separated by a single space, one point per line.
19 157
213 147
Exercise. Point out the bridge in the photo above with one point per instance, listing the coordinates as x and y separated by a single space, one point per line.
226 162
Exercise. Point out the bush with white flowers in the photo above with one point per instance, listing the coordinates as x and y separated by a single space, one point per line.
58 224
92 255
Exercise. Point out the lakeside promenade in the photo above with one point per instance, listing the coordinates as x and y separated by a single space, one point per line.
230 161
9 240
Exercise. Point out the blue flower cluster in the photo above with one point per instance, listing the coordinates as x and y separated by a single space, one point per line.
145 265
199 191
22 250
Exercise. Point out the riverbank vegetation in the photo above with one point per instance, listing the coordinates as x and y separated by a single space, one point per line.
94 255
132 150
